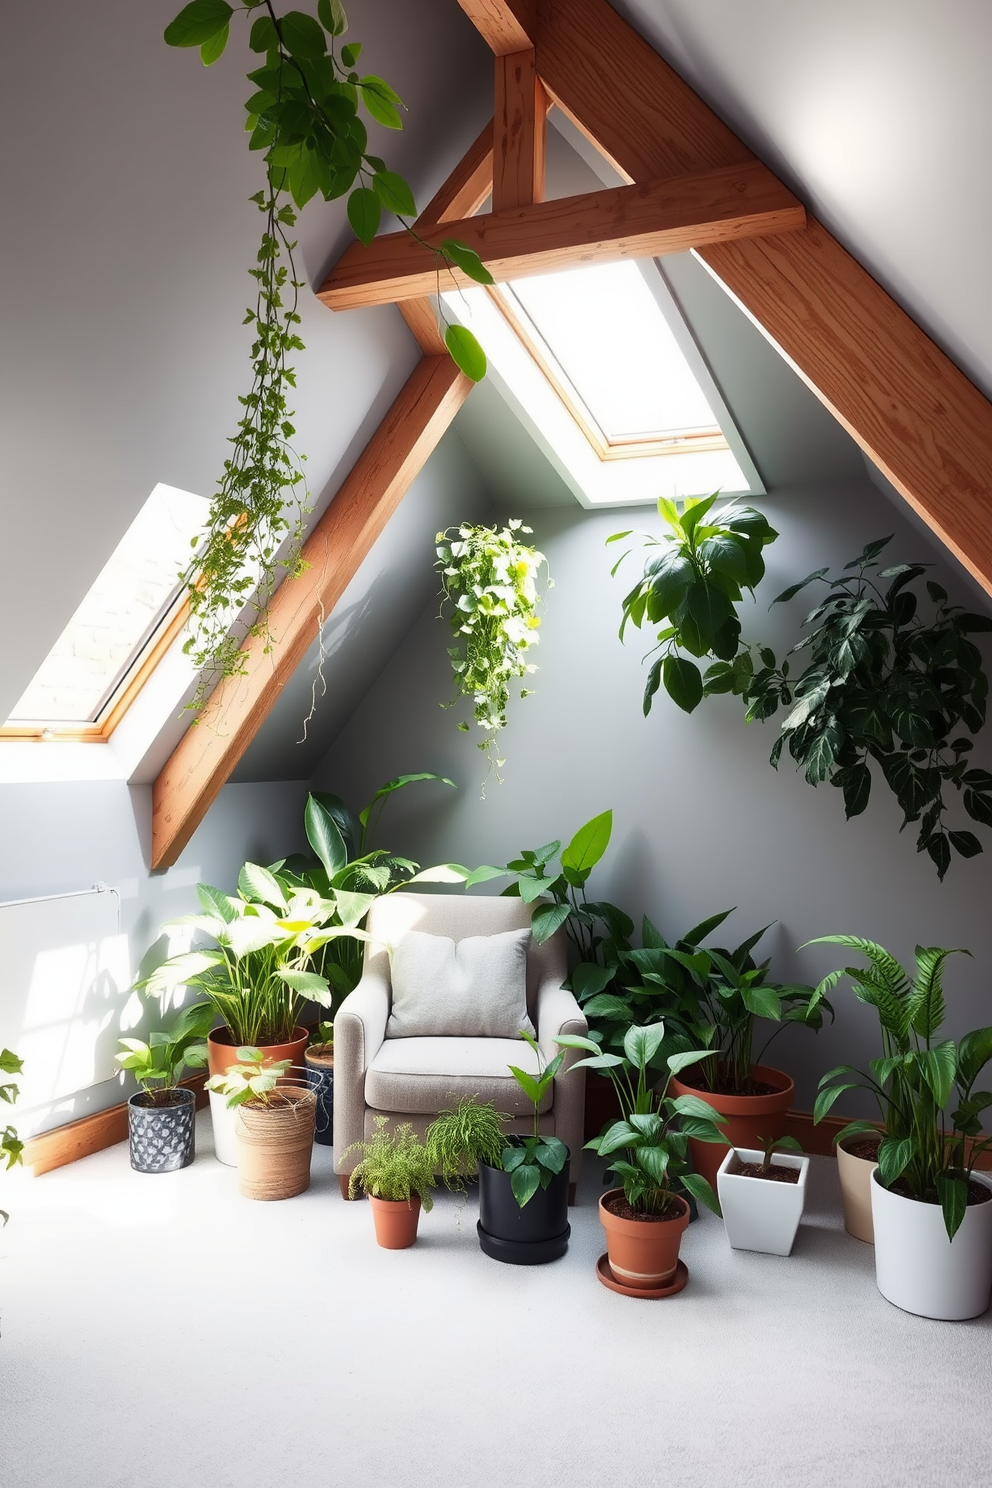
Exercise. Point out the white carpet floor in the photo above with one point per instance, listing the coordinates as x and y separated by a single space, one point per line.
162 1332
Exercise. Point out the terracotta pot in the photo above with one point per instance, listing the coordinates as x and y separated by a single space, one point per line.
855 1192
320 1077
275 1140
747 1118
395 1221
643 1252
222 1052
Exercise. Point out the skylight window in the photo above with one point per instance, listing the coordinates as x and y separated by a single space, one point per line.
599 366
132 610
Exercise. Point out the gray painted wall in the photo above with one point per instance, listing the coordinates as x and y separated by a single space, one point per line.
701 821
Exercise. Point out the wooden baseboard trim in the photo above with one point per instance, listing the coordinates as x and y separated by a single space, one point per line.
67 1144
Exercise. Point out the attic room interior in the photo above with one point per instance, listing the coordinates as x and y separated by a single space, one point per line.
485 497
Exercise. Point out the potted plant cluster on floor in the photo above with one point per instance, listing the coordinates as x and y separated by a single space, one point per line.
646 1217
396 1173
763 1194
161 1115
274 1125
931 1212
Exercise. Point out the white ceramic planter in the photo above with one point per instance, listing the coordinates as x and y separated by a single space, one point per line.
223 1122
918 1269
761 1214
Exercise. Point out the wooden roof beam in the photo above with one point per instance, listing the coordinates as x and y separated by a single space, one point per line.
637 221
520 127
507 25
341 540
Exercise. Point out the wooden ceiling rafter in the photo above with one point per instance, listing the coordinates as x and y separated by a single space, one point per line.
911 410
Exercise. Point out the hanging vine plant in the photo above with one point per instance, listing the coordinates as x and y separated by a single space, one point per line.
489 589
304 120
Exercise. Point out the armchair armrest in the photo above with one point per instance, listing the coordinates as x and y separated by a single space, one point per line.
359 1030
558 1012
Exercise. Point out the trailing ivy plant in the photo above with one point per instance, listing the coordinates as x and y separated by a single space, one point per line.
690 589
888 685
303 120
489 584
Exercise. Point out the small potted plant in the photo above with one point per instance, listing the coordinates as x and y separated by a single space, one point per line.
523 1198
396 1173
763 1194
161 1115
931 1212
274 1128
645 1218
11 1147
319 1059
458 1140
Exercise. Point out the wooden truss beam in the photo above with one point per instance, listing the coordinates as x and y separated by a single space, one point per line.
520 126
621 222
507 25
911 410
342 538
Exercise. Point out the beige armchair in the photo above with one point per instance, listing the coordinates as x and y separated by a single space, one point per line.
411 1079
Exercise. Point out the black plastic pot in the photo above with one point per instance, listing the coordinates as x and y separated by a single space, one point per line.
320 1078
161 1137
522 1237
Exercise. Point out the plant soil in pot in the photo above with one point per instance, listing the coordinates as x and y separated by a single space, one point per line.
643 1250
320 1077
857 1157
395 1221
275 1140
762 1206
161 1132
527 1236
747 1119
222 1055
918 1268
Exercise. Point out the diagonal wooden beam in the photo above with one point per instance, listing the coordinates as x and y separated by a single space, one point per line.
620 222
912 411
519 130
236 709
507 25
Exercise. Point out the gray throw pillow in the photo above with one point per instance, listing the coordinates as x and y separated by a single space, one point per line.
475 988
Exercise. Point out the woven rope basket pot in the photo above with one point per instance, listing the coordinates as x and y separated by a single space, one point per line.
275 1140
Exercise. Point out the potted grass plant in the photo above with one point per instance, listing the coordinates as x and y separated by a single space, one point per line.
160 1116
931 1211
523 1197
396 1173
459 1139
274 1125
762 1194
646 1216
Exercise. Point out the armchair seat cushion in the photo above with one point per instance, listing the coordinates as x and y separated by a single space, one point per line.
427 1075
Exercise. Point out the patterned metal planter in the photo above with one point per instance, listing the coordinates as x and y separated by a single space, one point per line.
161 1138
320 1078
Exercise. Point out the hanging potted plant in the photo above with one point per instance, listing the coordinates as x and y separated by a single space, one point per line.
273 1128
319 1057
931 1212
396 1173
523 1197
762 1194
161 1115
489 585
645 1218
258 976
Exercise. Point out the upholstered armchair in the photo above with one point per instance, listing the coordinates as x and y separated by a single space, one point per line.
412 1078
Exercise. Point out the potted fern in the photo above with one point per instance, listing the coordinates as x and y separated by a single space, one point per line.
396 1173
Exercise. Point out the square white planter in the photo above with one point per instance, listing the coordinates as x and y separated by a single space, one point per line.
761 1214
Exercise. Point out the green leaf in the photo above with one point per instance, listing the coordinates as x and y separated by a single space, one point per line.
938 1067
547 919
466 259
198 22
324 836
214 48
302 35
259 885
394 193
952 1190
683 682
856 783
525 1180
589 844
381 106
700 1189
332 16
966 844
364 214
894 1157
465 352
974 1053
641 1044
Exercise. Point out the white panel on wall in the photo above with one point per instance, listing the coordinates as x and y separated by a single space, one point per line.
65 979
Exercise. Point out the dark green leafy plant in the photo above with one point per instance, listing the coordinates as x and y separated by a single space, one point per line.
489 583
707 559
458 1140
888 687
303 120
916 1079
158 1065
11 1148
533 1162
395 1165
654 1130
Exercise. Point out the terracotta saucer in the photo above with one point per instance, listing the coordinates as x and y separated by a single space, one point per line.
609 1280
